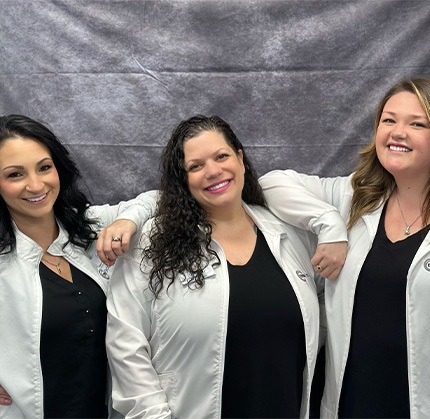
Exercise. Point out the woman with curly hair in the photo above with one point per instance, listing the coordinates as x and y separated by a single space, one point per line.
378 311
53 307
215 313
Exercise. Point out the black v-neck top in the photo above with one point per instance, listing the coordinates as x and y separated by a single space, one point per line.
375 383
265 349
72 347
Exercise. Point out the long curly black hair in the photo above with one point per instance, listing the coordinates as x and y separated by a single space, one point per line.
180 239
70 206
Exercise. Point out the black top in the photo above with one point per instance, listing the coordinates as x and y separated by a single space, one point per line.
265 348
376 376
72 350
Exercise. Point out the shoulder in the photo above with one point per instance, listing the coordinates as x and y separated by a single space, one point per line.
266 220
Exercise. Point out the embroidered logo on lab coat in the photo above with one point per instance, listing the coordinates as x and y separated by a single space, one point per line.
302 275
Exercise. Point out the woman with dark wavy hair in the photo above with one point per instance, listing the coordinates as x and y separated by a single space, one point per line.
53 312
378 311
215 314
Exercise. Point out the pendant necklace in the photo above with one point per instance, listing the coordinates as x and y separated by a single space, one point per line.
57 265
408 227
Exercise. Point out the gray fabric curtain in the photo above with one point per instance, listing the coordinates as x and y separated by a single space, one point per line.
297 80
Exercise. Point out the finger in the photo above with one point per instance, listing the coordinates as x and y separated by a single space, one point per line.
316 259
100 243
103 255
333 274
125 242
109 246
318 266
5 399
116 247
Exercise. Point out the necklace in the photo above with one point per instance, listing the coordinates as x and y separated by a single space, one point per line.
57 265
408 227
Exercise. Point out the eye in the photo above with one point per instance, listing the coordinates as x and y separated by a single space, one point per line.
418 124
222 156
45 167
387 121
194 167
13 175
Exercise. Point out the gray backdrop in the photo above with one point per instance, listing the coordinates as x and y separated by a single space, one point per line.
297 80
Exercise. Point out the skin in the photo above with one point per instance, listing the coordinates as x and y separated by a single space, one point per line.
403 147
215 173
216 176
29 182
402 141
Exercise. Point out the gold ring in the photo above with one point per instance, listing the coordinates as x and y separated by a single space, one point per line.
319 267
116 239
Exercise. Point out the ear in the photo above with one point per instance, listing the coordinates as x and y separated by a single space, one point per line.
240 157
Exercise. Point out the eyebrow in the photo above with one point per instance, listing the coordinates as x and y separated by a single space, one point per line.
412 115
19 166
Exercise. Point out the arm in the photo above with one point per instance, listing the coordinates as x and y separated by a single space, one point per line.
316 205
121 221
137 392
309 202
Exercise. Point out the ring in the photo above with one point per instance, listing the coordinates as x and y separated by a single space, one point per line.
319 267
116 239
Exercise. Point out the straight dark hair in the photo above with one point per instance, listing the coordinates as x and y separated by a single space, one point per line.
71 204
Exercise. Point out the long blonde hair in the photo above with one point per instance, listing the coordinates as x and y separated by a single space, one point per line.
371 182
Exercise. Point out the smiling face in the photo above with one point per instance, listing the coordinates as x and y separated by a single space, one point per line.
29 181
403 138
215 172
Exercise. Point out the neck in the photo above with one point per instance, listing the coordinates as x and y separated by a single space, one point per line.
43 232
411 188
410 197
231 225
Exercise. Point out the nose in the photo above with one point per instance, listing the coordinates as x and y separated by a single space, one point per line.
398 131
34 184
213 169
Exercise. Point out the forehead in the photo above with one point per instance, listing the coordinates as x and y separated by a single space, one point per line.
16 147
206 141
405 101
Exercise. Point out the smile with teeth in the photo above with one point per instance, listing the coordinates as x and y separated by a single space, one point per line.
218 186
37 199
398 148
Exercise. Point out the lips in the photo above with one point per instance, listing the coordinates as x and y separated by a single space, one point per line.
36 199
399 148
218 186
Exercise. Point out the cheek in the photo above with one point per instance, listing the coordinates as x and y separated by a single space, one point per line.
192 182
6 189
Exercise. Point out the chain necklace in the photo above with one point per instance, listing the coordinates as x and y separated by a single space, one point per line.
57 265
408 227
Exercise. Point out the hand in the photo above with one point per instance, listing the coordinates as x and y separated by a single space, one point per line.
114 240
5 399
329 259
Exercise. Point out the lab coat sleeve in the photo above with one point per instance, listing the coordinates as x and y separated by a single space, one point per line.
137 392
319 205
139 210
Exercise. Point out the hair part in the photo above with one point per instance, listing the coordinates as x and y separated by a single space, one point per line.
180 240
71 204
371 182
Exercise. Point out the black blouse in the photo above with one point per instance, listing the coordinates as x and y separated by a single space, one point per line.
72 347
375 384
265 349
